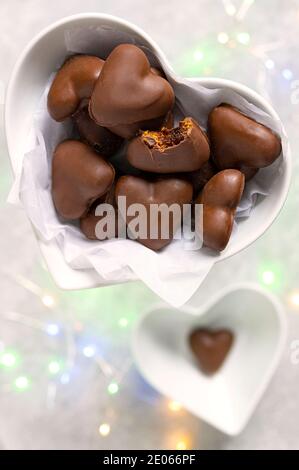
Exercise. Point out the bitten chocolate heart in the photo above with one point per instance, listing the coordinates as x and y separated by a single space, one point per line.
220 198
128 93
148 192
210 348
180 149
240 142
72 83
101 139
79 177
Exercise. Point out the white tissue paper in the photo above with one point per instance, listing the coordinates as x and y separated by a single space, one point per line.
174 273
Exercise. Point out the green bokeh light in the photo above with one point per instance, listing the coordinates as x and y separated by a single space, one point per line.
271 276
123 322
8 359
243 38
113 388
54 367
22 383
199 61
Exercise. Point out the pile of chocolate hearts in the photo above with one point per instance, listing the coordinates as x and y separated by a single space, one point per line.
123 106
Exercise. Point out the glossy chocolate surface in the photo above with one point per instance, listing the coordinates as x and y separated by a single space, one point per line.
238 141
181 149
210 348
128 92
220 198
151 191
73 82
79 177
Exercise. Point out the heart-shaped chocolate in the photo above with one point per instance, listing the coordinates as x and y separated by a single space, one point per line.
220 198
146 192
128 93
240 142
73 82
180 149
210 348
101 139
79 177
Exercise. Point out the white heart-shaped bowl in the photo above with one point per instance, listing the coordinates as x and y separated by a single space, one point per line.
227 399
30 75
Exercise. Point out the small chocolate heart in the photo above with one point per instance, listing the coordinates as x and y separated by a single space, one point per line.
180 149
73 82
240 142
220 198
210 348
79 177
128 93
147 192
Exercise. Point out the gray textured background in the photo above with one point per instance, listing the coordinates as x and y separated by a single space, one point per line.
54 415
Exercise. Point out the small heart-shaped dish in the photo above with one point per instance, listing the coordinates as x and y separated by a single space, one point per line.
228 398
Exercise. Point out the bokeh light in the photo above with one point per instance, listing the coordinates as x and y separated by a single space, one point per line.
270 64
52 329
54 367
104 429
243 38
223 38
8 359
268 277
271 276
22 383
89 350
65 378
174 406
294 299
230 9
48 300
198 55
123 322
181 445
113 388
287 74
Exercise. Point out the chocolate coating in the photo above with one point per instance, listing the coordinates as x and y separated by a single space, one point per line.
199 178
249 173
89 221
220 198
128 131
73 82
210 348
79 177
240 142
181 149
101 139
147 192
128 92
